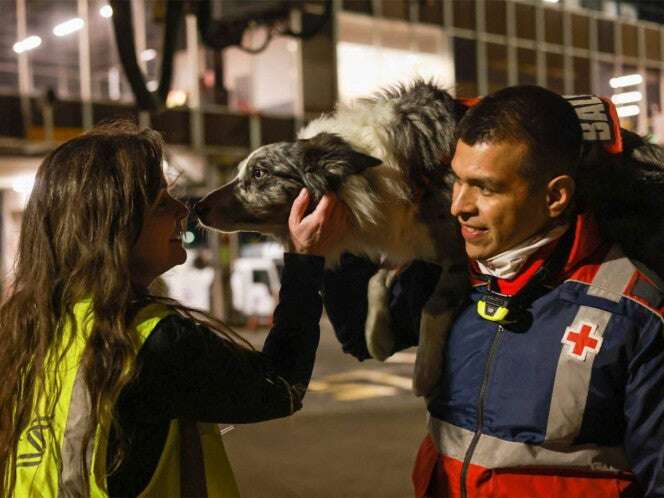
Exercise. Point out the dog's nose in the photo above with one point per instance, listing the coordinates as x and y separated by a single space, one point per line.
201 209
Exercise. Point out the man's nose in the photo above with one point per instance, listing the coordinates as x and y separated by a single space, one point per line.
461 202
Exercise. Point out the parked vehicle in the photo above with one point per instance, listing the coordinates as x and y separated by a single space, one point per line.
255 285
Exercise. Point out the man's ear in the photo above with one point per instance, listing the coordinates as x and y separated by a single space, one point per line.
559 195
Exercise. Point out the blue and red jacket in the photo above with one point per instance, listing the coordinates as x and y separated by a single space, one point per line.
571 406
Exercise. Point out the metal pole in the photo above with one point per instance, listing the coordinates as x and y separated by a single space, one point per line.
194 93
296 25
541 55
482 65
220 297
47 113
594 62
84 64
138 20
512 59
568 58
642 119
24 77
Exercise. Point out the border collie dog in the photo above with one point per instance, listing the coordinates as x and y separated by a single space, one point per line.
387 158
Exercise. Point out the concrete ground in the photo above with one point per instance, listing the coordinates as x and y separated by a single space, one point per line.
356 436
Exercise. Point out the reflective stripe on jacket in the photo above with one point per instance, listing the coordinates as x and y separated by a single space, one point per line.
193 461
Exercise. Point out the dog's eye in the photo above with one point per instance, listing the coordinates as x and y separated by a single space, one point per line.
257 173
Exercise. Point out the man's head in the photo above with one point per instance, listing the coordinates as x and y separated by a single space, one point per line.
514 163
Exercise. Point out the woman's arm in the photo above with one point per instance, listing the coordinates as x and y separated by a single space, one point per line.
190 371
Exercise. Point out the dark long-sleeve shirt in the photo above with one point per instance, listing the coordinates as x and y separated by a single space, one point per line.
188 371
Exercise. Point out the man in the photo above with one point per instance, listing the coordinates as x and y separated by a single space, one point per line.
550 384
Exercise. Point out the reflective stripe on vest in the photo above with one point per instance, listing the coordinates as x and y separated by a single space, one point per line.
48 461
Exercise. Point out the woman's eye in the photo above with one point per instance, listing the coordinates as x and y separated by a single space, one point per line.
257 173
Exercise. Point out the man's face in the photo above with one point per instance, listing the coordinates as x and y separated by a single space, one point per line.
496 206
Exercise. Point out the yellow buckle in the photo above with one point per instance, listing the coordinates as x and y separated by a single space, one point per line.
492 312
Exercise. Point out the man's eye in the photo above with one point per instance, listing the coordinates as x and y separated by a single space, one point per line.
257 173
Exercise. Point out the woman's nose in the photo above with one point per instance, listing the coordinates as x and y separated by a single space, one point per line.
182 211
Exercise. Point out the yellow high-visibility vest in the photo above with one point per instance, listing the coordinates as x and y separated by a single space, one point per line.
193 461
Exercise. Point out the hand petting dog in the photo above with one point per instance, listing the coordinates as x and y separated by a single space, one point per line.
319 231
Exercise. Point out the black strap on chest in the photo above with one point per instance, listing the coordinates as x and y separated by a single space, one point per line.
506 310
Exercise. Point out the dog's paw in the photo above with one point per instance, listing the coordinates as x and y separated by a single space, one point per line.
378 326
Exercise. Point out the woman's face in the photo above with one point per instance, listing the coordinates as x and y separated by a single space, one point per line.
159 245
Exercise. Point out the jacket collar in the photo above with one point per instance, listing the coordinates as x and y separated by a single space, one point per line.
587 244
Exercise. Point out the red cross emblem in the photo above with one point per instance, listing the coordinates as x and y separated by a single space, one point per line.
581 341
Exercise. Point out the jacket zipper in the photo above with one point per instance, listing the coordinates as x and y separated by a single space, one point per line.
480 410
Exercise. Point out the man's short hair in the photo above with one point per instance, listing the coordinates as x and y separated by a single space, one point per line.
542 120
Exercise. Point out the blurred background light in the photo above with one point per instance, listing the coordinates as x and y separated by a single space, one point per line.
27 44
68 27
627 80
628 110
149 54
106 11
23 184
626 97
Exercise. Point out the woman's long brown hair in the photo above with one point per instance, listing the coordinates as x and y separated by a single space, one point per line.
82 219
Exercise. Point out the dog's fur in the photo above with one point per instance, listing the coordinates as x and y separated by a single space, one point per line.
387 158
626 194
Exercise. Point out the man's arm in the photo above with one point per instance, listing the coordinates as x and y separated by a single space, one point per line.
644 407
345 298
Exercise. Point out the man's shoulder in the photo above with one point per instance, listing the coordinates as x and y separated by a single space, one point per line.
620 279
646 288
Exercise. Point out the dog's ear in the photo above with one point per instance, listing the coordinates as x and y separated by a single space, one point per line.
364 161
331 153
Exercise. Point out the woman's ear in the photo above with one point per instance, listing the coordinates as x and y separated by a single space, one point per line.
560 191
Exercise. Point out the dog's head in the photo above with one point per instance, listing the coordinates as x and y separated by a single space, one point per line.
260 197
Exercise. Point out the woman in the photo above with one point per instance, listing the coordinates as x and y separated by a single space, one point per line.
107 390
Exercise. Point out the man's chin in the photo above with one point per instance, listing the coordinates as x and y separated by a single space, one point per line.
477 252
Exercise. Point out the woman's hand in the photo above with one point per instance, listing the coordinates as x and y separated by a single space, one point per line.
318 232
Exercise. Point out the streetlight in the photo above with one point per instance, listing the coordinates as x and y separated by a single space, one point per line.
22 185
627 80
106 11
149 54
626 98
628 110
68 27
27 44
